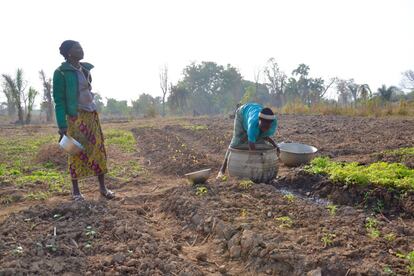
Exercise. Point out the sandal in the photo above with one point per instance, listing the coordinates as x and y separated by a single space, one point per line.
108 194
78 197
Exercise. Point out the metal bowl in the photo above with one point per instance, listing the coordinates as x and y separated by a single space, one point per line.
198 177
70 145
295 154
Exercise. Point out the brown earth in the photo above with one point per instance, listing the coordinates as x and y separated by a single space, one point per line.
159 226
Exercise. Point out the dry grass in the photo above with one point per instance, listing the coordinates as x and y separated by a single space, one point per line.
374 108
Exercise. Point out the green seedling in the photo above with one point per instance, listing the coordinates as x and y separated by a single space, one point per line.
51 247
285 222
371 225
243 213
90 232
201 191
390 175
224 178
379 206
88 245
390 237
410 258
332 209
289 197
246 184
388 270
17 251
327 239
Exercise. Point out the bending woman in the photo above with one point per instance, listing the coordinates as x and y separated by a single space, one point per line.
76 116
253 125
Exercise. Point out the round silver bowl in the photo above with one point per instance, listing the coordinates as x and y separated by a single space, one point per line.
295 154
70 145
198 177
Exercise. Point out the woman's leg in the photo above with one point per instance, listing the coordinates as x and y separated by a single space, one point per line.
103 189
75 187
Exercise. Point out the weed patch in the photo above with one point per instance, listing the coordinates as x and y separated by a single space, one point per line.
392 175
122 138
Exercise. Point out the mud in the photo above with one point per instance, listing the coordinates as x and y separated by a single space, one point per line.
373 198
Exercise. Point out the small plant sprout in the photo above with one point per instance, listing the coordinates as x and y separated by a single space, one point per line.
327 239
224 178
90 232
51 247
88 245
285 222
371 225
332 209
201 191
18 250
57 216
246 184
410 258
390 237
388 270
289 197
243 213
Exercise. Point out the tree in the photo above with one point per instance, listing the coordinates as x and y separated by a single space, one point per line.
385 93
212 87
164 86
364 91
31 96
16 88
178 98
276 82
347 90
118 108
10 105
146 105
97 99
309 90
47 104
408 80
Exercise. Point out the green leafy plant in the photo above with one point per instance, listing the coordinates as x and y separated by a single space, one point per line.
289 197
390 237
123 139
285 222
410 258
18 250
371 225
327 239
388 270
246 184
90 232
243 213
332 209
201 190
393 175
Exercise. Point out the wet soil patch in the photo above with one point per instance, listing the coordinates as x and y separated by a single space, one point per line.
374 198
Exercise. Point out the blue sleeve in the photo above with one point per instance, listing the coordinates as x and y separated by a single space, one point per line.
252 130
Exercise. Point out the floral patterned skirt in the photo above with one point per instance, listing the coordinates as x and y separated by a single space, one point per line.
86 129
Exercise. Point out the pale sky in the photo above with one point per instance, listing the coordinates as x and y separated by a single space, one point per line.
129 41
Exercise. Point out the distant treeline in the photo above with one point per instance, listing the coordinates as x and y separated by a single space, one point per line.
208 88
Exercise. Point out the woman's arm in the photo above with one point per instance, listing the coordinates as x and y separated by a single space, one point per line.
60 100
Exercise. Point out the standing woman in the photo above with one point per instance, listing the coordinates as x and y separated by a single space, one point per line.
76 116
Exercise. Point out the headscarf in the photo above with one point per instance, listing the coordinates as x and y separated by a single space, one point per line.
65 47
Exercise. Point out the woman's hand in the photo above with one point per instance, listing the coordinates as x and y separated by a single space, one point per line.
73 118
62 131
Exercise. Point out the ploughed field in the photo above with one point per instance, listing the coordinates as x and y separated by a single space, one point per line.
300 224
